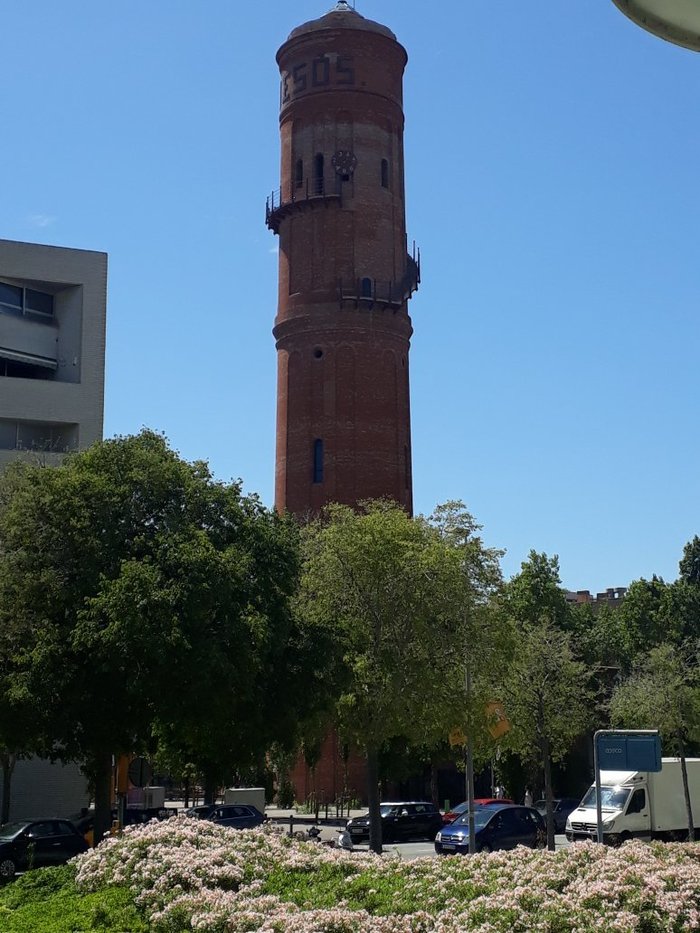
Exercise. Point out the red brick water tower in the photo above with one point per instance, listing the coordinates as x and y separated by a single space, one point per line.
345 274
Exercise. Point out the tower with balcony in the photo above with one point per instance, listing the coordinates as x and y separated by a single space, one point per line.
345 273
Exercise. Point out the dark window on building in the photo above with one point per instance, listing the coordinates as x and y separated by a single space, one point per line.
318 173
318 461
25 302
299 173
385 173
8 435
366 288
19 370
11 299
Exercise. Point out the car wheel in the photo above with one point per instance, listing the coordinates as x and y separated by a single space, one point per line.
484 847
8 869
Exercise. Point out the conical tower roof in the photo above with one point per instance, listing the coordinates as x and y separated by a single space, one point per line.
342 16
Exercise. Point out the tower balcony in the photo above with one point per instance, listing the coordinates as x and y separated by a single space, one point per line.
370 293
312 193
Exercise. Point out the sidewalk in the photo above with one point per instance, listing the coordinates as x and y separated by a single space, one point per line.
282 814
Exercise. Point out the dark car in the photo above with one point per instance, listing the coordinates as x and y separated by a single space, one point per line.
202 812
561 808
496 827
33 843
451 815
238 815
409 820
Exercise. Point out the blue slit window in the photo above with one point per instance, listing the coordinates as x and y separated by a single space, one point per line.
318 461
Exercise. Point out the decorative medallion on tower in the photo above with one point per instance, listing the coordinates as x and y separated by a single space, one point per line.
345 275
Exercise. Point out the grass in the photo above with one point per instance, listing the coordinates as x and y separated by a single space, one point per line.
47 901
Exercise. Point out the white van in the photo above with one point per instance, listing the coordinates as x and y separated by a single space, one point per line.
643 804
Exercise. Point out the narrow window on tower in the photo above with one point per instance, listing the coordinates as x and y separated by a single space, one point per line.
318 173
299 173
385 173
366 288
318 461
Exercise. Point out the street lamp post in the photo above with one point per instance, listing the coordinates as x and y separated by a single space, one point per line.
676 21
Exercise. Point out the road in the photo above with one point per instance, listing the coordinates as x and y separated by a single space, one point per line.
411 850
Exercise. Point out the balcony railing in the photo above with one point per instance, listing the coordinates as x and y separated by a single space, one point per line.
310 193
368 293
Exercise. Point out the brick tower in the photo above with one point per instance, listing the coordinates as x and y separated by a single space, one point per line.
345 275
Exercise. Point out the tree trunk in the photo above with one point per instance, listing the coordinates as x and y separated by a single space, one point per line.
547 767
210 789
375 819
7 759
102 779
686 792
186 791
434 784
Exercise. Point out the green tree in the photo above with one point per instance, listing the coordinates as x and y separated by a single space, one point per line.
536 593
644 619
663 692
147 604
388 588
689 565
548 701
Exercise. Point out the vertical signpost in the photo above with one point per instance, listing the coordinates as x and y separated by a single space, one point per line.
623 750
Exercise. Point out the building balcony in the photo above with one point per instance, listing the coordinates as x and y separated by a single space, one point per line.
370 293
310 194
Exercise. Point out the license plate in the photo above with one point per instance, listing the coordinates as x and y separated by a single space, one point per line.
449 847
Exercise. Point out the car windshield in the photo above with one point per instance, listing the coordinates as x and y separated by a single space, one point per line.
460 808
387 811
611 798
481 818
10 830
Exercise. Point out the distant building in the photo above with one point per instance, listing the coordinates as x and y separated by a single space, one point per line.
613 596
52 349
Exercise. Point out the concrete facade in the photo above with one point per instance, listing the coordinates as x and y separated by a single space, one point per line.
52 349
345 274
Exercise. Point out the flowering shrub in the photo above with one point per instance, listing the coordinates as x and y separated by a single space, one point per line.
192 874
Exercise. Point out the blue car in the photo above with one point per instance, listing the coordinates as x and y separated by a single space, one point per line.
496 827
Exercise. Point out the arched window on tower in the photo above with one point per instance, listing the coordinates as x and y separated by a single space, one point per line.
318 461
385 173
299 173
318 173
366 288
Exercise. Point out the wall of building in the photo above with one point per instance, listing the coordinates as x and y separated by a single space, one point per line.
64 409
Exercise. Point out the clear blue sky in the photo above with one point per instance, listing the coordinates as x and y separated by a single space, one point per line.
552 184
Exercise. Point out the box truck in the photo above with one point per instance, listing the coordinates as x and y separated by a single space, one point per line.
255 796
643 804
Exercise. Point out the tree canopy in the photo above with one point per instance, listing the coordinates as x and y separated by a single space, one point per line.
395 592
143 603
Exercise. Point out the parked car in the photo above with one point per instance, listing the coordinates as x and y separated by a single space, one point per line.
403 820
34 843
202 812
451 815
238 815
502 826
561 808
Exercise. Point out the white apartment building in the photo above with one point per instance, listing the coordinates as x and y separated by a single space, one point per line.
53 304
